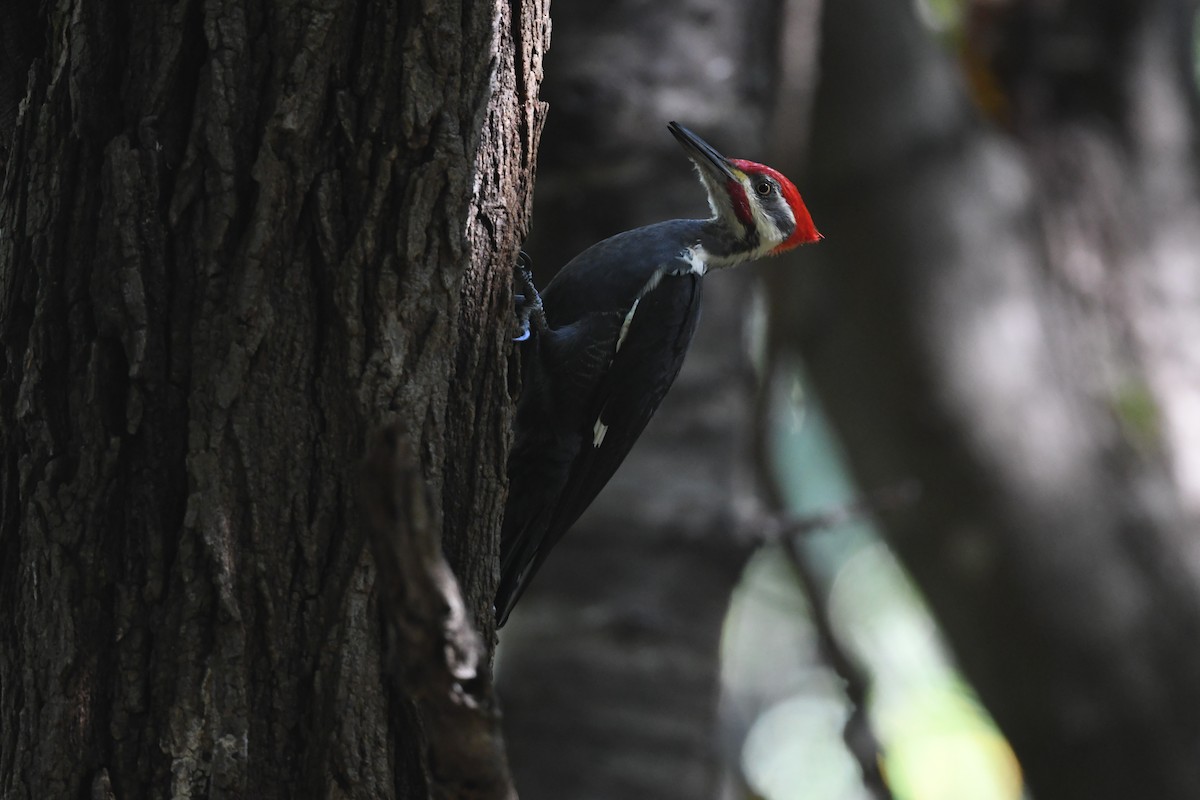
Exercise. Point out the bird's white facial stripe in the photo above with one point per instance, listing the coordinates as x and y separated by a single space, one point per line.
791 218
720 207
769 234
712 191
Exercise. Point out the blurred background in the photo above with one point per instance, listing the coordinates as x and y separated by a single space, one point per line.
996 349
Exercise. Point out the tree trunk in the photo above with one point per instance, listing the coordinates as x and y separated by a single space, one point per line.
1008 318
609 668
237 238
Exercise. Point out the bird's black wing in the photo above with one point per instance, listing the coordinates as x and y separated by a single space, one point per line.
618 385
563 369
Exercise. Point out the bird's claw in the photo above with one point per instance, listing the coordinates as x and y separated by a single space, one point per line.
527 301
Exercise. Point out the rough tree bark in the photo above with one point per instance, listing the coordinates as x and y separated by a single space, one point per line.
609 668
235 238
1010 316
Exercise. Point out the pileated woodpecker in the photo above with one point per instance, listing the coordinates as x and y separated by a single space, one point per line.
607 337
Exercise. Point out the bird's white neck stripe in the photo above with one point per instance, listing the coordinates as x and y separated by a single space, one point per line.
697 259
701 261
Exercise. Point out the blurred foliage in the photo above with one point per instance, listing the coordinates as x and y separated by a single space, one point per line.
942 16
939 743
1196 48
1136 409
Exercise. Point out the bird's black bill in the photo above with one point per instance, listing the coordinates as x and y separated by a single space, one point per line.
702 152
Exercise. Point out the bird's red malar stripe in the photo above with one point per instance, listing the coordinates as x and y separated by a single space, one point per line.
741 203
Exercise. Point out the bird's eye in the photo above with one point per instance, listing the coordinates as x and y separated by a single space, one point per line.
763 187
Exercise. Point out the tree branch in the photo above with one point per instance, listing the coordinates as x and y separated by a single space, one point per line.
789 531
785 528
858 732
437 659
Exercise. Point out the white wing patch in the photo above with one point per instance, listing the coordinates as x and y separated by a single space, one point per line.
650 286
626 323
697 260
599 430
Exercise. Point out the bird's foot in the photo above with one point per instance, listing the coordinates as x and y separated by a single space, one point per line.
528 302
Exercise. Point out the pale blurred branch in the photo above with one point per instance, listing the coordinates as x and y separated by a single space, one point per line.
785 528
858 732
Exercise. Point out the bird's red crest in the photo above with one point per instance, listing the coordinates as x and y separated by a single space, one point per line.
805 231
